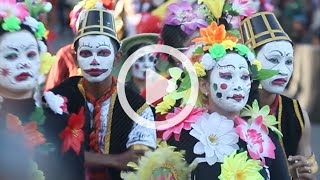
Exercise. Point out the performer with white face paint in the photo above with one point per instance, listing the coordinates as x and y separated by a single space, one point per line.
21 114
215 133
137 78
103 139
263 34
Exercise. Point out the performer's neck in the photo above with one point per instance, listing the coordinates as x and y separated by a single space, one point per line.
16 95
98 89
140 83
266 98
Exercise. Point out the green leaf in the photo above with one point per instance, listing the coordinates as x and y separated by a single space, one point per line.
233 13
175 73
38 116
199 50
246 114
185 83
264 74
227 7
264 111
270 120
276 130
234 32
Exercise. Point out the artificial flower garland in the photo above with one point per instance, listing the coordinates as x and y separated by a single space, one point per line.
13 14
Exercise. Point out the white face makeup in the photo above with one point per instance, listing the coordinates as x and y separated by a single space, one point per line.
140 67
95 56
230 83
277 55
19 61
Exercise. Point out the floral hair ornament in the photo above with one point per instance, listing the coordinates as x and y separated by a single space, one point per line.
218 41
13 14
182 14
163 163
228 11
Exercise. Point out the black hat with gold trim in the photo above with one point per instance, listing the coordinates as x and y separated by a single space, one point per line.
261 28
97 22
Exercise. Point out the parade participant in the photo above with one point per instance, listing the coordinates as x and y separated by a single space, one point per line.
137 77
223 145
64 66
21 64
96 137
263 34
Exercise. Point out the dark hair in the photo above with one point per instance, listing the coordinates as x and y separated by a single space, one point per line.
23 27
173 36
135 48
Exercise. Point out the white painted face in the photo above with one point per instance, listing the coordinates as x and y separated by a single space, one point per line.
140 67
19 61
95 56
277 55
230 83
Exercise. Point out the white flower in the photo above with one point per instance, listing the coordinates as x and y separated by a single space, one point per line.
43 47
207 61
216 135
47 7
56 103
32 23
251 57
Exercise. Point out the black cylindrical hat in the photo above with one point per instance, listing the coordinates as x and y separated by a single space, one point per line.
97 22
261 28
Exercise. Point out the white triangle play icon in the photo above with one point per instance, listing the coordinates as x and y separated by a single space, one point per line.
156 86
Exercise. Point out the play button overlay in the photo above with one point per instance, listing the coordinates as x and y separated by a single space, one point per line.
157 86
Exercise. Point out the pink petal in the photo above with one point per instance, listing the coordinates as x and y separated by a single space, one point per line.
166 135
178 128
240 130
239 121
249 11
254 155
177 136
269 148
187 126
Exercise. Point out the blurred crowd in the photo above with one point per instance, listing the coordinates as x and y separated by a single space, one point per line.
299 18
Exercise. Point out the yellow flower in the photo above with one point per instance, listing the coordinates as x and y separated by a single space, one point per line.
46 34
46 62
201 72
215 6
258 64
228 44
167 103
239 167
89 4
79 71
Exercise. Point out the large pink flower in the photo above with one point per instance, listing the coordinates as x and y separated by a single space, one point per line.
255 135
11 8
185 124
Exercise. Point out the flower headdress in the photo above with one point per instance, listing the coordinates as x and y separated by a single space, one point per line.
13 14
183 14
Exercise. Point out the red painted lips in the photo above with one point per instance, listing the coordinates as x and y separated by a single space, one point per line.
279 81
237 97
23 76
95 72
